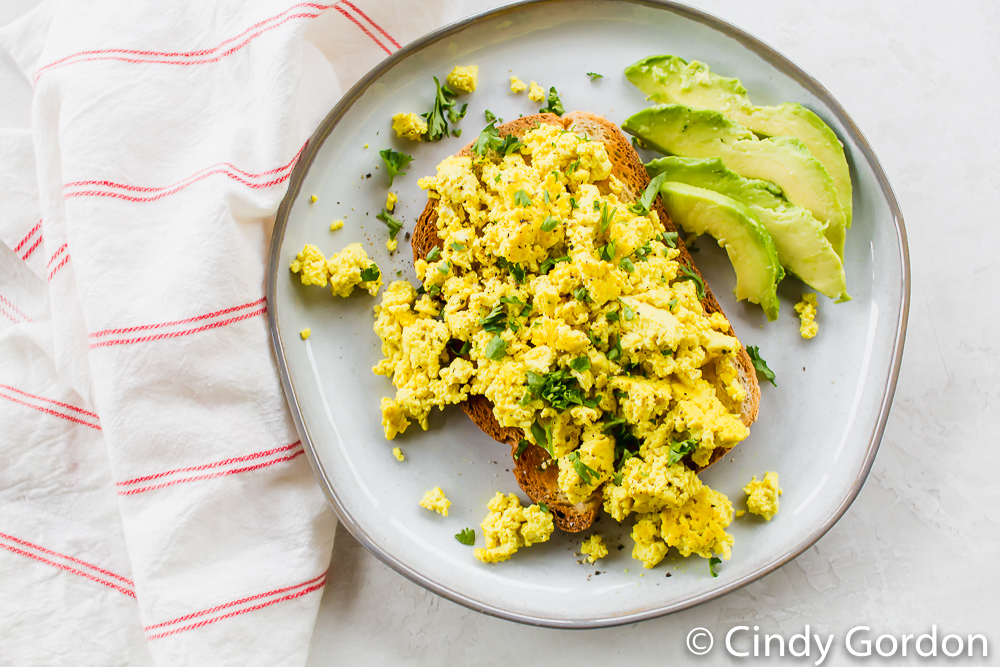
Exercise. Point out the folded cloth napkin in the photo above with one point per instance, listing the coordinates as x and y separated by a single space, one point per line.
155 503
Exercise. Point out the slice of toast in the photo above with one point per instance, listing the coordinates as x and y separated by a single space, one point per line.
538 479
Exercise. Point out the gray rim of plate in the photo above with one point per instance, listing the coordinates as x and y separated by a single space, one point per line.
770 55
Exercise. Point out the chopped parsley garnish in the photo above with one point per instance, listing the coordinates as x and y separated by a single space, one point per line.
558 388
516 270
457 132
434 254
545 195
627 312
465 349
370 274
595 76
613 316
606 217
669 238
490 118
760 364
495 321
615 353
643 252
521 446
444 103
712 562
542 436
525 308
496 348
543 507
394 163
581 294
626 265
550 222
607 252
572 166
444 268
580 364
550 262
691 275
679 450
671 304
625 442
555 104
522 199
457 247
642 206
390 222
466 537
583 471
489 140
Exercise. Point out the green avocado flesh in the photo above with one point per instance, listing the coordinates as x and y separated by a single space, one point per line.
674 129
798 237
670 79
749 246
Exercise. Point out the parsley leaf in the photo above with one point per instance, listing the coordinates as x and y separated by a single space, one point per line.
606 217
760 364
489 140
394 162
642 206
515 270
496 348
370 274
521 446
466 537
669 238
555 104
671 304
679 450
594 76
559 388
581 294
522 199
643 252
550 262
607 252
572 203
583 471
434 254
490 118
550 223
390 222
691 275
495 321
626 265
543 507
712 562
580 364
457 247
444 268
627 312
444 102
615 353
542 436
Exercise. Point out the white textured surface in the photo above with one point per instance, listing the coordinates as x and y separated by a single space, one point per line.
919 545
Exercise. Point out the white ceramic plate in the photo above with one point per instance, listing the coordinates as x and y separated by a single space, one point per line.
819 428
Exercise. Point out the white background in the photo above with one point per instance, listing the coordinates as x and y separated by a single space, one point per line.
920 544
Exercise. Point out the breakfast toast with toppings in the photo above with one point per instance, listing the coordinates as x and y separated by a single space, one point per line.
532 467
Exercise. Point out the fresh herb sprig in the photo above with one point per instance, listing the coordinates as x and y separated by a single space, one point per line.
555 104
758 363
466 537
395 162
392 223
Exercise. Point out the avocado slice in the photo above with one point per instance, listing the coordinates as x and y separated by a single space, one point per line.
670 79
749 246
674 129
798 236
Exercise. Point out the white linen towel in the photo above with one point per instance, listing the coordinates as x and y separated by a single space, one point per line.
155 503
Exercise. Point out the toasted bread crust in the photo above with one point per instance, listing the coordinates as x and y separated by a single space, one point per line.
541 484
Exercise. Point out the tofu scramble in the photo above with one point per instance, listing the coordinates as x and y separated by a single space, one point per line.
562 303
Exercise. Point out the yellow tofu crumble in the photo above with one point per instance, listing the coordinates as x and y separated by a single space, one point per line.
594 548
390 202
536 93
398 453
435 501
305 333
807 313
342 271
762 496
409 126
516 85
510 526
336 224
567 308
313 199
464 78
